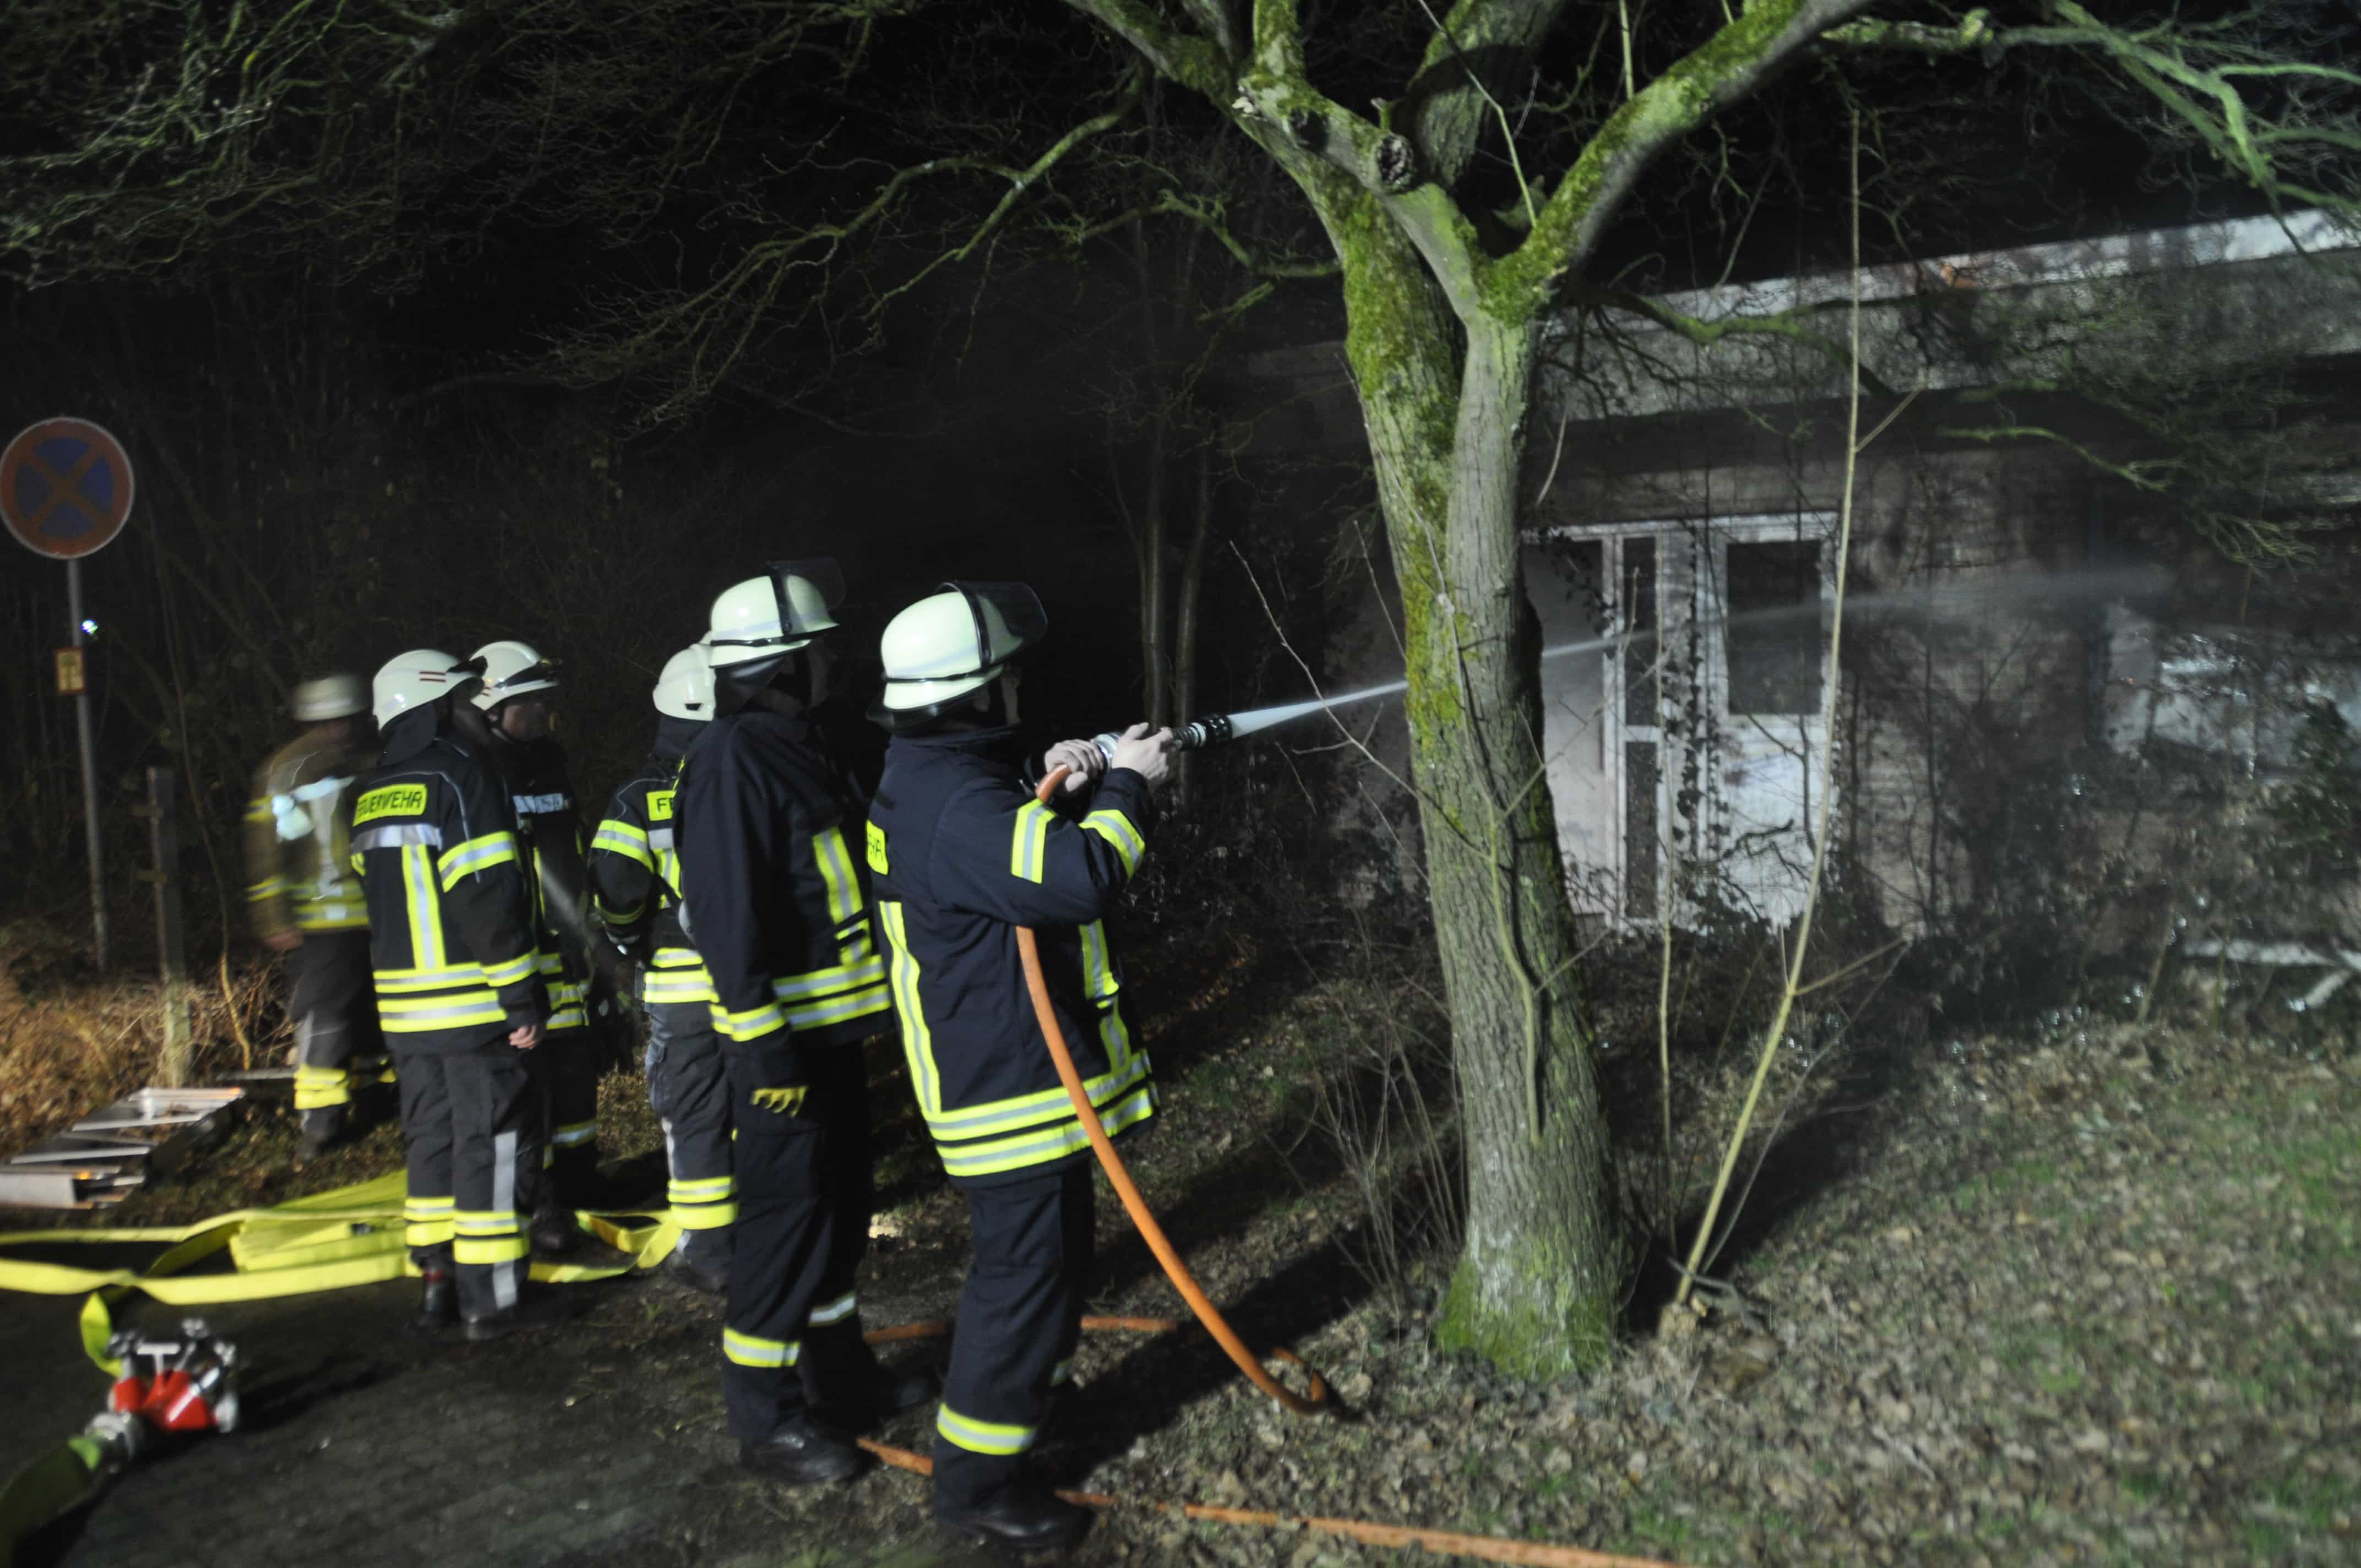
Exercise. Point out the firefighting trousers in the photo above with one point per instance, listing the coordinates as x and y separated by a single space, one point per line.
1020 1317
791 1332
689 1090
565 1069
837 1364
335 1010
470 1135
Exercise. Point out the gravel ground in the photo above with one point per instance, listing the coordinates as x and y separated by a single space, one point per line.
2099 1300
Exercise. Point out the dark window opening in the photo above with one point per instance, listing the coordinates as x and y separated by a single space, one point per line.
1640 829
1642 648
1773 638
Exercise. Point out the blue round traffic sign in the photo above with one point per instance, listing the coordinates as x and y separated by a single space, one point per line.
65 487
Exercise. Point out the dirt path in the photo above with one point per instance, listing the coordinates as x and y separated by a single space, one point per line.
2098 1302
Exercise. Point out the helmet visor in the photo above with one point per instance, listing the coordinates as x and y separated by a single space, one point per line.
821 579
1008 619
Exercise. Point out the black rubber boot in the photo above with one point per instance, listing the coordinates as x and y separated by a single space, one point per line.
803 1452
438 1303
687 1272
535 1312
321 1130
1024 1519
554 1232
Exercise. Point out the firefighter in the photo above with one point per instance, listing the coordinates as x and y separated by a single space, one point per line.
306 902
776 904
452 940
635 891
962 853
511 715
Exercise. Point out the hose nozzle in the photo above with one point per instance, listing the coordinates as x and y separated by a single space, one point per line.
1193 736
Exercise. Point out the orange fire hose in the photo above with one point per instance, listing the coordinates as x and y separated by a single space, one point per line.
1490 1548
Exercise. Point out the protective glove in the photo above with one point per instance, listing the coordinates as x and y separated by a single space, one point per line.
779 1070
1149 756
1084 757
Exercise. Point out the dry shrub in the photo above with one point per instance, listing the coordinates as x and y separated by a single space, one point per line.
72 1041
1385 1105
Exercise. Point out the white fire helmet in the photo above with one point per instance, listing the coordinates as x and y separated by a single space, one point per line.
510 668
763 620
952 642
683 688
339 695
409 681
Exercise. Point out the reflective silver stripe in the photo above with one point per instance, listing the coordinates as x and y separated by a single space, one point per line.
507 1277
394 836
540 804
835 1311
659 838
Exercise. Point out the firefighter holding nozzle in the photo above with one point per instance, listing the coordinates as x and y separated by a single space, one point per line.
960 854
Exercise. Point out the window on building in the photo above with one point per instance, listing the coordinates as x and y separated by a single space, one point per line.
1774 637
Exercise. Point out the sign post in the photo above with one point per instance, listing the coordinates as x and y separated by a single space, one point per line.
65 492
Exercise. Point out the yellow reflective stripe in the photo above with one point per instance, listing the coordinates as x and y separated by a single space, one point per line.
752 1350
836 869
510 971
256 892
678 957
1116 830
867 970
483 1222
476 854
505 1249
1099 983
565 991
259 810
1038 1149
411 1015
1029 840
836 1009
317 1088
700 1188
983 1436
706 1216
397 981
675 985
751 1025
834 1312
622 838
424 905
917 1040
573 1135
614 916
308 918
1031 1110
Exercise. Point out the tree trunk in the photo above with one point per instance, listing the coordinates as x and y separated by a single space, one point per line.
1155 659
1184 617
1540 1281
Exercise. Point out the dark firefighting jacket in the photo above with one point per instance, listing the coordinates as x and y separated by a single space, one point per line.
634 869
764 822
299 875
451 916
961 854
540 796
